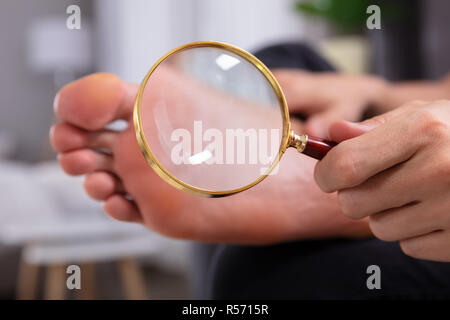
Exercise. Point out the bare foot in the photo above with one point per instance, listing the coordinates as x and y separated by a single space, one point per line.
285 206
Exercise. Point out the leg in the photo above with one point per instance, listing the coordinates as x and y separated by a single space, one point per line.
325 269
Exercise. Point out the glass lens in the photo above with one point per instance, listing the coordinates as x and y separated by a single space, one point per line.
211 119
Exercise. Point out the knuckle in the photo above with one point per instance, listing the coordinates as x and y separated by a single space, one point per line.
430 126
380 119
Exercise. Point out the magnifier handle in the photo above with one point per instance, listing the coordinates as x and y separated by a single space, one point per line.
317 148
314 147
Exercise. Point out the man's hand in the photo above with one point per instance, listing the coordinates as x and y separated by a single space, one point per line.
327 97
395 168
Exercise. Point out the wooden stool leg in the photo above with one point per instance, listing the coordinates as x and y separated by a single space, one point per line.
88 289
27 281
132 279
55 282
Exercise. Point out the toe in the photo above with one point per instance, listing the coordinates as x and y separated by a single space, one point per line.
85 161
103 139
94 101
102 185
120 208
65 137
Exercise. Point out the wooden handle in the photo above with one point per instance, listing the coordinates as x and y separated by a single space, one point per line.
317 148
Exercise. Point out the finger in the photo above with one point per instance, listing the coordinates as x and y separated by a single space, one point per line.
300 90
120 208
406 222
343 130
85 161
95 100
355 160
386 190
102 185
433 246
319 123
65 137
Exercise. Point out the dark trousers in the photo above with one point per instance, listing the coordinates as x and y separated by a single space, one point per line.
319 269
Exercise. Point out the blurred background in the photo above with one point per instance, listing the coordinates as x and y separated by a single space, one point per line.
46 221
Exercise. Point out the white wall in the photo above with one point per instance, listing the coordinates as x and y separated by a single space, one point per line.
132 35
249 23
26 93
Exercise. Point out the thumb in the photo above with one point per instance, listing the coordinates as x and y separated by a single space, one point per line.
344 130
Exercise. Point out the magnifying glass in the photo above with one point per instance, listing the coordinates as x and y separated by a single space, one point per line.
212 120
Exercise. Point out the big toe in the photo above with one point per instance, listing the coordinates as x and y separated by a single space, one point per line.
94 101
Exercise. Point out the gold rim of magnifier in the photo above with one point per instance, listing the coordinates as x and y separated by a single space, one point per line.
163 172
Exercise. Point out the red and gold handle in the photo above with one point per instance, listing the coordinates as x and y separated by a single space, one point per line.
314 147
